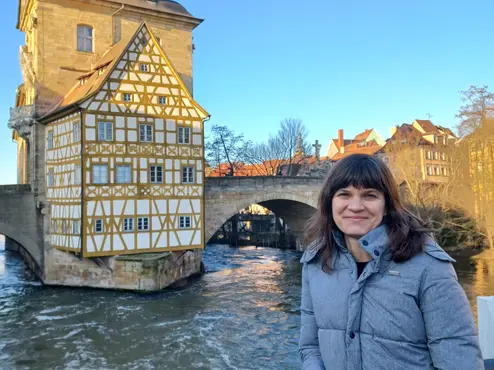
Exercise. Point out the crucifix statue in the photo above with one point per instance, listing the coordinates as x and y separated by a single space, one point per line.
317 150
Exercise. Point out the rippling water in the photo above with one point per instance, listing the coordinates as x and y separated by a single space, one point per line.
243 314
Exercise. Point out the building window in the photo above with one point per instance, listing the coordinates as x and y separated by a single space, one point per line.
124 174
98 226
76 133
76 227
162 100
428 154
77 175
184 222
100 174
128 224
105 131
143 223
127 97
184 135
156 174
144 67
64 227
50 140
145 133
51 177
445 171
436 155
436 171
443 156
187 175
429 170
85 38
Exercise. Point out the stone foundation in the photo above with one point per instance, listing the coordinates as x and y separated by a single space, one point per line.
142 272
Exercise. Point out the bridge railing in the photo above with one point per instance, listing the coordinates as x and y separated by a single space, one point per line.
15 188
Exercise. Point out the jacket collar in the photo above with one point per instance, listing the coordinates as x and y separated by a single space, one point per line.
374 242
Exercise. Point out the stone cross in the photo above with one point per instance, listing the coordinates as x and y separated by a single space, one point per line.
317 147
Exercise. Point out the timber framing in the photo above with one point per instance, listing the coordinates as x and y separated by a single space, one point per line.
122 180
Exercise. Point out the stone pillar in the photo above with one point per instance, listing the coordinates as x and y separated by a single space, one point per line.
485 308
11 245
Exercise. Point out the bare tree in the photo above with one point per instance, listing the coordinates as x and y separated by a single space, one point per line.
225 150
478 104
287 147
263 158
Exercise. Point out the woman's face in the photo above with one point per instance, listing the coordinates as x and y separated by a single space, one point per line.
358 211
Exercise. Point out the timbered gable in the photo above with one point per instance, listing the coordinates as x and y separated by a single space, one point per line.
143 81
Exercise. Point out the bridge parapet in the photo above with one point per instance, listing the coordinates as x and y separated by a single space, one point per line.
236 182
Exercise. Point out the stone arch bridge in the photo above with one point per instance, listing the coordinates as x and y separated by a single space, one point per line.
294 199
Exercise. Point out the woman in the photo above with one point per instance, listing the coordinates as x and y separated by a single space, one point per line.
378 292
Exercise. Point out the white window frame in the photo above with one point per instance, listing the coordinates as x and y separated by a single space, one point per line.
124 177
51 177
49 139
156 174
188 175
76 132
162 100
146 132
144 67
99 174
437 171
185 222
428 155
76 227
127 97
143 223
99 226
128 224
77 174
105 131
85 38
429 170
436 155
184 135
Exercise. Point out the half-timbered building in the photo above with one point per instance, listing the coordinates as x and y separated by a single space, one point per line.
124 156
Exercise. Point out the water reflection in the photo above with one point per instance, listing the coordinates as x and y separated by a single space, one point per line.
243 314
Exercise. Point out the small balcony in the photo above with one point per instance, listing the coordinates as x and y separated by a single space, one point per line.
22 119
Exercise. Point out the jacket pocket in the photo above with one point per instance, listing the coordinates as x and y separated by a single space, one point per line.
390 309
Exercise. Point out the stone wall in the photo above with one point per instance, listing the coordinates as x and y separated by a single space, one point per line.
57 62
294 199
21 221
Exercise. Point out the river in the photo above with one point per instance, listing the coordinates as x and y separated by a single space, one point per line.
243 314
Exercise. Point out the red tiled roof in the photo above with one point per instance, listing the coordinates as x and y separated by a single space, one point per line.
427 125
354 148
363 135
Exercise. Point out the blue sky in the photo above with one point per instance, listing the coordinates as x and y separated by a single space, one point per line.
351 64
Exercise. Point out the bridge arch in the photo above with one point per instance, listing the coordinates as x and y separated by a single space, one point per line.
30 246
21 222
293 199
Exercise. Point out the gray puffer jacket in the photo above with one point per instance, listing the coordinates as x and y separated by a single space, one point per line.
403 316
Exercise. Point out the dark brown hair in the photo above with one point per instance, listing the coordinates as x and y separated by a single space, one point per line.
406 232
